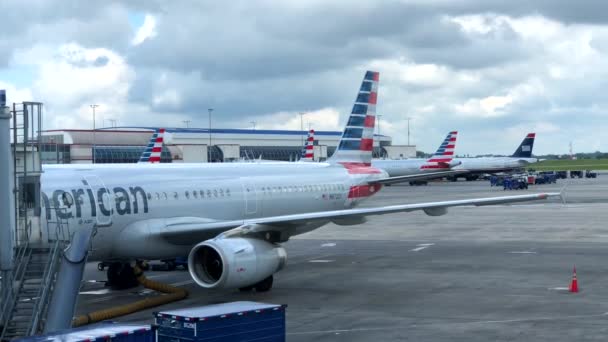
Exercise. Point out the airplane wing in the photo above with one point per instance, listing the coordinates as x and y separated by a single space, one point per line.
183 231
418 177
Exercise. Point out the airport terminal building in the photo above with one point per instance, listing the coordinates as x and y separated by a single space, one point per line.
193 145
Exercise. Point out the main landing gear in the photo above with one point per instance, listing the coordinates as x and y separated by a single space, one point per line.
121 276
263 286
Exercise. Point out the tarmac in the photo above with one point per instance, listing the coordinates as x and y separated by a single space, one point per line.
496 273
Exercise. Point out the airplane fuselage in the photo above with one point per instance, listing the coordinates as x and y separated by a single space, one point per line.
489 164
127 202
403 167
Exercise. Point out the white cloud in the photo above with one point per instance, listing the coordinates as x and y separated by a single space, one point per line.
322 119
15 94
146 31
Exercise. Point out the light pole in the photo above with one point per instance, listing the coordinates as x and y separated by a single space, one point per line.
187 123
302 127
93 106
408 131
379 116
253 123
112 122
210 110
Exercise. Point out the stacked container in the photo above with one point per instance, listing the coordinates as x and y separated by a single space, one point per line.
236 321
110 332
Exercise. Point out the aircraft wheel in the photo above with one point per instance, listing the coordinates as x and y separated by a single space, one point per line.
265 285
101 266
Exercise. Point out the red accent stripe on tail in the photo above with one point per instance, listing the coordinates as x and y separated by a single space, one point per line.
373 97
367 144
370 121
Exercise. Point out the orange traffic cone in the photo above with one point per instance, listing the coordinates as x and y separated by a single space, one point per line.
574 282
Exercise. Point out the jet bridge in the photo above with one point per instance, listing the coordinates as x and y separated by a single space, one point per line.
29 257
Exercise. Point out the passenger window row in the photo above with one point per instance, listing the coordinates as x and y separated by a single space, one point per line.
265 190
269 190
194 194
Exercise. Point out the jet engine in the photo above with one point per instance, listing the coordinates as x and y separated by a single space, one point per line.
234 262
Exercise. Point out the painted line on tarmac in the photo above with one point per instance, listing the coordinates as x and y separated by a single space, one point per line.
523 252
97 292
329 244
559 289
99 300
321 260
421 246
182 283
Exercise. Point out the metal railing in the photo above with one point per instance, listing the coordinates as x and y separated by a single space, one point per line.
46 289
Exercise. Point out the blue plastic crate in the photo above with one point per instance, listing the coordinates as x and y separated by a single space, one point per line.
106 331
236 321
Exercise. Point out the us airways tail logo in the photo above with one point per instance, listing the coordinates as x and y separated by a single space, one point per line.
87 202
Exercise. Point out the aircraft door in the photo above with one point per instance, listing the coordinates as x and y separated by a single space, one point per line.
104 208
250 196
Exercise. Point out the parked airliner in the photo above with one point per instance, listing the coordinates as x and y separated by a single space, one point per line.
229 218
442 160
521 158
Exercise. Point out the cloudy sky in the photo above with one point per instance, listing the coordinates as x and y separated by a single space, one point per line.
493 70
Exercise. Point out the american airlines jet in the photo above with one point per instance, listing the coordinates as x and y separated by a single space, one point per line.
152 153
442 160
229 218
308 149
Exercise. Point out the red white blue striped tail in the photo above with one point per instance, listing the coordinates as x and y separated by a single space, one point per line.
308 149
152 153
357 142
444 155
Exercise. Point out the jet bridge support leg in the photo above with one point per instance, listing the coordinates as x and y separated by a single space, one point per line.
69 278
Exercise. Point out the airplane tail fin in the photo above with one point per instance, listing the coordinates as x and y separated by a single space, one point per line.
152 153
442 159
357 142
525 148
307 150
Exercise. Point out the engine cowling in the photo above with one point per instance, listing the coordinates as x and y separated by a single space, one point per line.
234 262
